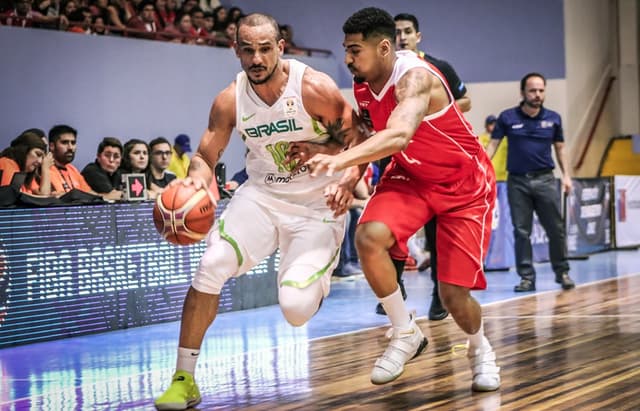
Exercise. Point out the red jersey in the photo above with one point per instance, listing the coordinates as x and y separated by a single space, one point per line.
443 148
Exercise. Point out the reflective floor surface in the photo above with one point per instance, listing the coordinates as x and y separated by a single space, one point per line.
248 355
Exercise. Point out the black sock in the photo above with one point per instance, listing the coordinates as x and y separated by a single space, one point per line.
399 266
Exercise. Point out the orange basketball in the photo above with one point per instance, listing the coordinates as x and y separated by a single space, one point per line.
184 215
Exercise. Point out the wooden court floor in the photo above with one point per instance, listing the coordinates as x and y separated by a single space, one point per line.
574 350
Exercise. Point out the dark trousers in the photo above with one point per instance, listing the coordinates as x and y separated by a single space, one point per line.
430 235
536 192
348 252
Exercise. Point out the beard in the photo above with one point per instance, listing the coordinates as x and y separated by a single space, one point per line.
264 80
65 158
533 103
358 79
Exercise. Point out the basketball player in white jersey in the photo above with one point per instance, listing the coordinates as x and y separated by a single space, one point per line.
273 103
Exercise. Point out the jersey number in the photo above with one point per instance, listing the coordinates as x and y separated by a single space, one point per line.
279 152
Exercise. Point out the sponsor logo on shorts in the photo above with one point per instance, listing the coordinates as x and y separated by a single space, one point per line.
328 220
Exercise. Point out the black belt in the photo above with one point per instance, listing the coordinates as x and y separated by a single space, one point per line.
532 174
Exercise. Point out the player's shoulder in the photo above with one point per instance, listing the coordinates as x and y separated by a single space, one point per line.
224 105
227 96
317 87
316 79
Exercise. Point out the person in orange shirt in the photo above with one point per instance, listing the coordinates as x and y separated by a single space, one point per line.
26 155
64 176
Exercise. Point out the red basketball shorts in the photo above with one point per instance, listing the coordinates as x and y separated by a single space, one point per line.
463 212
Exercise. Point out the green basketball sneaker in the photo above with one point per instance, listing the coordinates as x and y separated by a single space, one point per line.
182 394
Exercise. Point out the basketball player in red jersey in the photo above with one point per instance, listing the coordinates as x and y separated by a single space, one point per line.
438 169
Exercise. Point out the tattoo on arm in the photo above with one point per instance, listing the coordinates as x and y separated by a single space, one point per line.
195 164
336 132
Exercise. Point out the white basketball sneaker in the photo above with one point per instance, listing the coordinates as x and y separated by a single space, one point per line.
405 344
486 374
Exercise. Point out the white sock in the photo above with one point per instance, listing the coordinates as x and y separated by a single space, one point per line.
187 358
396 309
476 340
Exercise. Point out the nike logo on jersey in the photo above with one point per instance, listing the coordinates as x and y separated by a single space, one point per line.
517 126
249 117
409 159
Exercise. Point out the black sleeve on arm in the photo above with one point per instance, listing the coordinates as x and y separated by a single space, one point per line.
457 86
97 179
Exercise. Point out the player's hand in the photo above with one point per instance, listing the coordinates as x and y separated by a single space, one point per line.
196 182
339 198
297 154
324 163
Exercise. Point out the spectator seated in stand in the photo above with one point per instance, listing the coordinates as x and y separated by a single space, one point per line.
25 166
120 12
183 31
286 32
219 18
166 13
22 15
234 14
99 27
158 177
135 160
135 157
64 176
197 19
179 164
80 21
144 23
103 175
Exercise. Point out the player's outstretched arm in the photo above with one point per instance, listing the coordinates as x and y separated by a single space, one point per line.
214 139
413 93
324 102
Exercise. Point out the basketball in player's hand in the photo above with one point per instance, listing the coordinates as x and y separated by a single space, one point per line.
184 215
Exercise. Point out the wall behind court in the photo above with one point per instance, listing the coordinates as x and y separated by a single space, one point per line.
486 41
111 86
136 88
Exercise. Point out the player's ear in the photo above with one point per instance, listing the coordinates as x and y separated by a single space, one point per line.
281 46
385 47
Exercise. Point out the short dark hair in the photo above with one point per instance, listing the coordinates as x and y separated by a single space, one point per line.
60 129
158 140
258 19
408 17
145 3
109 142
523 82
371 22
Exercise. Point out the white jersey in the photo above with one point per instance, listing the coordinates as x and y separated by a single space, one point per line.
267 132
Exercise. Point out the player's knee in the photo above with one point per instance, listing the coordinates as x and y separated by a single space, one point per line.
370 237
454 297
218 263
298 305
